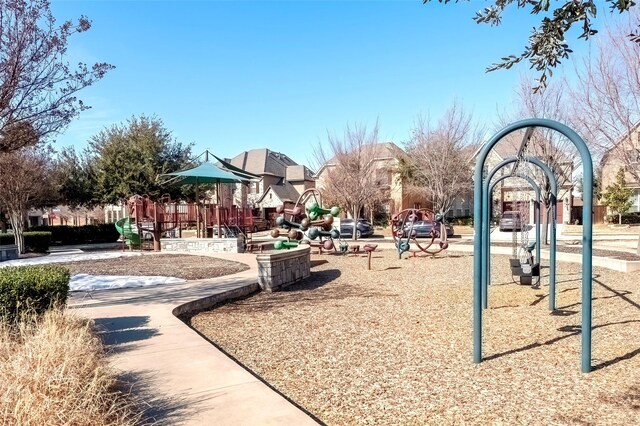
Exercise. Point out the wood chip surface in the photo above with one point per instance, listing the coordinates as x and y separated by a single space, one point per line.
392 346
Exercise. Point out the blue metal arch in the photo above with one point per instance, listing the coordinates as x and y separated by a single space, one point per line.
587 232
487 231
536 189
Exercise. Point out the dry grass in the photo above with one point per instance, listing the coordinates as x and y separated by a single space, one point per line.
53 372
393 345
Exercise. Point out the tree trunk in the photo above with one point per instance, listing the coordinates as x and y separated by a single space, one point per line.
619 218
547 220
356 211
17 223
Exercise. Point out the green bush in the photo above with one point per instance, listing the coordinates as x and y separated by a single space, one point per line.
627 218
37 242
32 289
86 234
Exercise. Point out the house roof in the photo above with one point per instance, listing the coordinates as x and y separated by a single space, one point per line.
263 161
509 146
377 151
299 173
621 139
285 192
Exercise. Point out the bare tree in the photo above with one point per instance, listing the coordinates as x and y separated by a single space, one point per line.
24 184
606 97
437 164
38 88
348 171
551 147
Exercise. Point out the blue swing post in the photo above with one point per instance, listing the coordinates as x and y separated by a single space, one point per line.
481 225
486 236
536 189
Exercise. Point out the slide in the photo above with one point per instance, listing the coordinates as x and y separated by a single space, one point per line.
128 229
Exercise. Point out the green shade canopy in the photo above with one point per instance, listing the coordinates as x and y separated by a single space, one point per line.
205 173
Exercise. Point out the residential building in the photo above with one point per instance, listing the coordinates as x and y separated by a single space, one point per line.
281 181
385 159
624 154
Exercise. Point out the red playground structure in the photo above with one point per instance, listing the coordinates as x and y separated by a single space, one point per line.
171 218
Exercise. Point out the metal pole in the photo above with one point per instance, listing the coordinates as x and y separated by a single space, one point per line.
478 256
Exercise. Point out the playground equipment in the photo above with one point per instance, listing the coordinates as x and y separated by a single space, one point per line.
522 263
481 227
129 231
402 229
487 231
309 221
161 218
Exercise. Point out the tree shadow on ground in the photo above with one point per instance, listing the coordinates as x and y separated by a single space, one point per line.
572 330
157 409
617 293
117 333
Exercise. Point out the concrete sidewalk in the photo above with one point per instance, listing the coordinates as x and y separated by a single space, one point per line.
184 378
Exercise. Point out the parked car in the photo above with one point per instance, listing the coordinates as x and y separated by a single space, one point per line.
423 228
511 221
363 229
260 224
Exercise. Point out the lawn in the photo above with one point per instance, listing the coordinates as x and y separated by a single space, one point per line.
393 345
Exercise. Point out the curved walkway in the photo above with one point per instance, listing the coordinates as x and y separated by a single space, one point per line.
185 379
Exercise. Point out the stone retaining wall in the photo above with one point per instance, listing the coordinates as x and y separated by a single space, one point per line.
8 252
200 245
282 268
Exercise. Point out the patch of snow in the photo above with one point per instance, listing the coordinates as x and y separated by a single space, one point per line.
85 282
70 257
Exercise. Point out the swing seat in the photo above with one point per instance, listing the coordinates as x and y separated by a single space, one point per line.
524 271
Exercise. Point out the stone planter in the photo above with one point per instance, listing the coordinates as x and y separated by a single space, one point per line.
279 269
8 252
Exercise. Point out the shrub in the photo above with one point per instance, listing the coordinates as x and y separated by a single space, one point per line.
37 242
32 289
53 371
627 218
86 234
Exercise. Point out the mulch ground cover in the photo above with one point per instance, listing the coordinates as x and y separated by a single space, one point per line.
392 346
614 254
188 267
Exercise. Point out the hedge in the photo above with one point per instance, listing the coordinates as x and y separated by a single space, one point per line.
86 234
38 241
32 289
627 218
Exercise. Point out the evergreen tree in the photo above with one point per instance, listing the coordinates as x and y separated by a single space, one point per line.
617 196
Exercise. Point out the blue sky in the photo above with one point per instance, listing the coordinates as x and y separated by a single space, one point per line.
231 76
